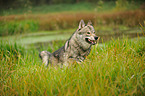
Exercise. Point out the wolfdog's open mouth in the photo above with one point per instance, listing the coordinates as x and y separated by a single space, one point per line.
93 42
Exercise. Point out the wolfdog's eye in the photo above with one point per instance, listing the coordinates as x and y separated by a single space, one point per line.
88 33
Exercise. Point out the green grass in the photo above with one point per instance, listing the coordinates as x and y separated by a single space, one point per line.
115 68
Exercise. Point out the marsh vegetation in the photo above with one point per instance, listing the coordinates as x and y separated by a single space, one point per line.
115 65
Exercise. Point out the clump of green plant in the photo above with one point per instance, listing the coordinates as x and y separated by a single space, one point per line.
12 51
17 27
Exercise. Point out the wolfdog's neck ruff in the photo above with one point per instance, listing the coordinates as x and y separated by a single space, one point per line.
75 49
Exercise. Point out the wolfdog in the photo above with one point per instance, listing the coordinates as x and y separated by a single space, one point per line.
76 48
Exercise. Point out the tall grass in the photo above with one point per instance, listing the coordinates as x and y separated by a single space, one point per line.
115 68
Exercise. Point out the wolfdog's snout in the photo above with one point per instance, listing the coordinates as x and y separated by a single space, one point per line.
96 37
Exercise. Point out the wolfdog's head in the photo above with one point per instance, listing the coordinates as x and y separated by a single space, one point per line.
86 33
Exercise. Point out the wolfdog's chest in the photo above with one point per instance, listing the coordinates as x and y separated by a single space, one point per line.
76 54
79 52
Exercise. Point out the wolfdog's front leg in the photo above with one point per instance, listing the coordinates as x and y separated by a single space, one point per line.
44 55
80 59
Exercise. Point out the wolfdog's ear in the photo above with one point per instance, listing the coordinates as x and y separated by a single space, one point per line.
89 23
66 45
81 24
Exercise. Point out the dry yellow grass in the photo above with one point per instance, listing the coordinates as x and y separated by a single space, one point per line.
70 20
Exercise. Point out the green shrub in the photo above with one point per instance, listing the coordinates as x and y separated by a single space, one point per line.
17 27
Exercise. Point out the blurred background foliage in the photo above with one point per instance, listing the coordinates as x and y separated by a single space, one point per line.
6 4
21 16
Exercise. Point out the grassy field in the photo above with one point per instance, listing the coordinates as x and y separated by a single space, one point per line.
114 68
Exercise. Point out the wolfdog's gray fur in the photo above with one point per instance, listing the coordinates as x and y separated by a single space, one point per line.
76 48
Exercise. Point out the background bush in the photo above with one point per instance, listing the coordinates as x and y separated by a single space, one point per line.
18 27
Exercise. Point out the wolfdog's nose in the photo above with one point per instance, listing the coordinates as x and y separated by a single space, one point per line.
96 37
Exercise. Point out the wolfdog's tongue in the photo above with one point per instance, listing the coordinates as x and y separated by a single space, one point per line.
92 41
